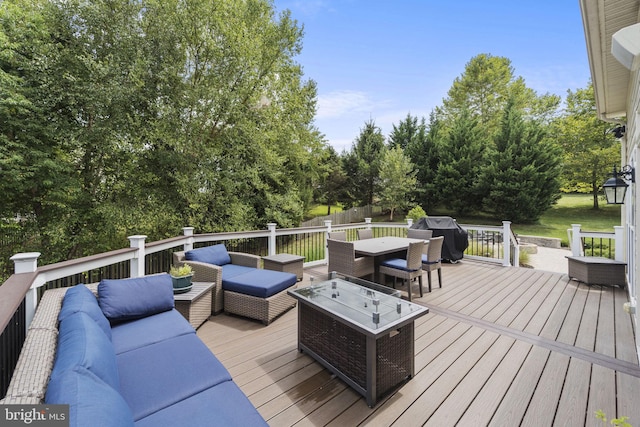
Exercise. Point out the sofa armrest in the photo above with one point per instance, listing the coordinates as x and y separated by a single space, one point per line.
31 375
244 259
205 272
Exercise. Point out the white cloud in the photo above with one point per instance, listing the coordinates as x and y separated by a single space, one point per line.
340 103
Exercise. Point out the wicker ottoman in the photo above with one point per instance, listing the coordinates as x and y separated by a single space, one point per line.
285 262
597 270
195 305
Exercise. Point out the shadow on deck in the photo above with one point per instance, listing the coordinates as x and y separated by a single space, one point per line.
501 346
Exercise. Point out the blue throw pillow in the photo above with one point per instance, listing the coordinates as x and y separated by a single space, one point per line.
80 299
128 299
216 254
82 343
91 401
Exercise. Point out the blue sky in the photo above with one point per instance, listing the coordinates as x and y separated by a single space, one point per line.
382 59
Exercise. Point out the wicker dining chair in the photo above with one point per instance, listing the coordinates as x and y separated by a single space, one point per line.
342 259
415 233
338 235
432 260
365 233
406 269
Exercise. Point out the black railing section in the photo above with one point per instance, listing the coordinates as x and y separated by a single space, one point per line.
485 243
599 246
11 341
309 245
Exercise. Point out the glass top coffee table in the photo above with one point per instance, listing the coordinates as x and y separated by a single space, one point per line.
361 331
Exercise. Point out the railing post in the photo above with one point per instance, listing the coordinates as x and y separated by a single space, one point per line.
327 225
409 222
27 262
368 222
137 262
188 232
576 240
506 243
619 244
272 238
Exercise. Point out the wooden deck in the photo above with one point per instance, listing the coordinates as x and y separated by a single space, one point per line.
501 346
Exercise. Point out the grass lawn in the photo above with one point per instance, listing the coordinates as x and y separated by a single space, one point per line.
573 209
321 210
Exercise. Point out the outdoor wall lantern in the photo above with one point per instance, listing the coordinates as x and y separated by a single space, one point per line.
616 187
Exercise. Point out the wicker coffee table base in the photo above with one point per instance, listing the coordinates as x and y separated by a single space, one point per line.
373 367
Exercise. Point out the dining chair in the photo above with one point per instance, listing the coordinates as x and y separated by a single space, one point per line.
415 233
342 259
406 269
432 260
338 235
365 233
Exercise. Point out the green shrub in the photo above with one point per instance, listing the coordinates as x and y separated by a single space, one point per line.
416 213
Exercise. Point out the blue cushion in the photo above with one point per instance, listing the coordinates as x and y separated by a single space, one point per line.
231 270
223 405
425 260
128 299
161 374
80 298
149 330
216 254
259 282
399 263
82 343
91 401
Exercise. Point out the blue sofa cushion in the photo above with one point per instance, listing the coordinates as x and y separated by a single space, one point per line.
80 299
232 270
129 336
128 299
223 405
161 374
259 282
400 264
215 254
81 342
91 401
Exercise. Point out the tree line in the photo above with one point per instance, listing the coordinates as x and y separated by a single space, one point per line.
120 118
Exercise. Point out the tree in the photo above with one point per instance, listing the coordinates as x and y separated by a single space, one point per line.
362 164
590 151
522 177
397 180
461 160
332 188
423 151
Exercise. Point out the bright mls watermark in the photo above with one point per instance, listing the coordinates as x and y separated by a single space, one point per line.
34 415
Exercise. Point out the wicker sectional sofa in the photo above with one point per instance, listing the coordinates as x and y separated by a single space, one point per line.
241 286
125 358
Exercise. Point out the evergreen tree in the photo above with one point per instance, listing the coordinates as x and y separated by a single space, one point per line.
364 167
461 160
422 149
522 178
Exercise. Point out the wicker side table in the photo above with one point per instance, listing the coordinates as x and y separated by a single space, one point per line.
285 262
195 305
597 270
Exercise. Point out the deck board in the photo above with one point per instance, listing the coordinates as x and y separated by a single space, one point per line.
501 346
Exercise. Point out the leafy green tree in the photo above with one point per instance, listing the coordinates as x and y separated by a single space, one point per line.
461 160
362 164
397 180
590 151
522 177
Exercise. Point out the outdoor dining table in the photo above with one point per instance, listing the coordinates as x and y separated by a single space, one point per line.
380 247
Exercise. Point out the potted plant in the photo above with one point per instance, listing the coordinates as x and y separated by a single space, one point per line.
181 277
